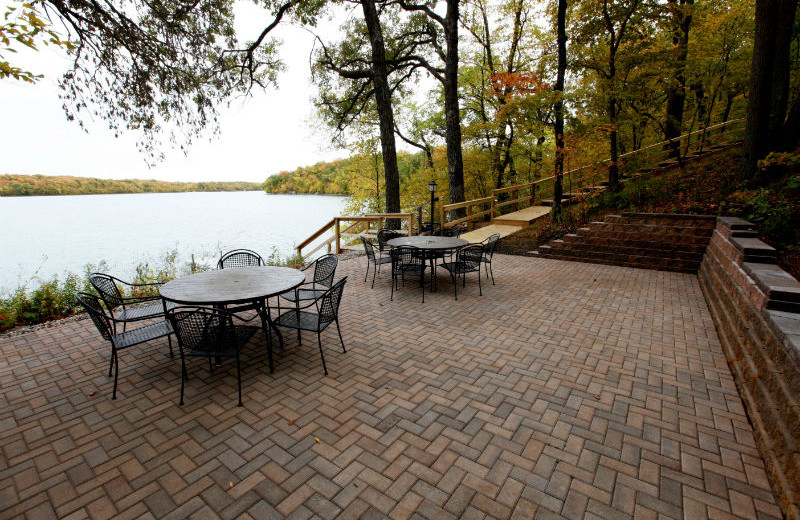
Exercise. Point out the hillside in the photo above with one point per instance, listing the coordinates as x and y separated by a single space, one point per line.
709 186
23 185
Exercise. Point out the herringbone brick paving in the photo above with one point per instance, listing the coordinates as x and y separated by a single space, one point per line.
566 391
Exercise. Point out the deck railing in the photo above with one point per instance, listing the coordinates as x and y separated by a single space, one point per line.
345 230
585 180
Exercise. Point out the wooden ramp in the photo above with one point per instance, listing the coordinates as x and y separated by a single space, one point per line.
479 235
522 218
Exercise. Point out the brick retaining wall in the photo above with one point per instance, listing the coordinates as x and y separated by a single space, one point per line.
745 293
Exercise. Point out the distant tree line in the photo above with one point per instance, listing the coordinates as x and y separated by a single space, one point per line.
22 185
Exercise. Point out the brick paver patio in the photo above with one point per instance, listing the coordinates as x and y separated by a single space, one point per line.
567 391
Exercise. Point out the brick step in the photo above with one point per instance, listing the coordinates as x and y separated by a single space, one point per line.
637 262
683 238
614 241
659 232
671 219
656 250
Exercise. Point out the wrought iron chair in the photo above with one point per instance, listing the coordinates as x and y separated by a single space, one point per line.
240 258
120 341
327 312
125 309
468 260
489 246
376 261
321 281
408 261
210 333
384 235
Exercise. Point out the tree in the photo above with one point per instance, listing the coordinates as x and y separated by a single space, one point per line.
681 15
558 127
159 66
448 76
22 24
769 128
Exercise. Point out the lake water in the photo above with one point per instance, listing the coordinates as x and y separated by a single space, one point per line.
47 236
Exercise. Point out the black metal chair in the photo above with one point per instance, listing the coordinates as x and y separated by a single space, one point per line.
210 333
125 309
106 325
384 235
327 312
376 261
240 258
322 280
408 261
468 260
489 246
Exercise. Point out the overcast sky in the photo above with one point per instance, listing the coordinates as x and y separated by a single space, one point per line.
260 136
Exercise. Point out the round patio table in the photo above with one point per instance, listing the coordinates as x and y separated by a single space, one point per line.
241 285
432 246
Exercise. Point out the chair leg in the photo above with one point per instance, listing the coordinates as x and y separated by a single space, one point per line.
340 334
374 272
319 342
492 272
422 284
169 342
116 375
367 273
480 289
184 377
111 362
268 331
239 377
455 284
394 281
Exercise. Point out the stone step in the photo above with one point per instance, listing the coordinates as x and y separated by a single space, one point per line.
647 232
697 245
647 247
661 264
579 249
671 219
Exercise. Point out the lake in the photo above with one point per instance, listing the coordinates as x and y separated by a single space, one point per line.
47 236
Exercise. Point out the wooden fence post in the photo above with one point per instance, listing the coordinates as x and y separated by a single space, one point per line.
337 234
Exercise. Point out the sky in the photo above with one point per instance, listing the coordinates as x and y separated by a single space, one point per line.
260 136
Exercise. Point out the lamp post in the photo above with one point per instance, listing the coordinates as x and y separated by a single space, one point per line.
432 189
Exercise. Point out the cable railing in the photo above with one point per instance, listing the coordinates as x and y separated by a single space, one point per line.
582 182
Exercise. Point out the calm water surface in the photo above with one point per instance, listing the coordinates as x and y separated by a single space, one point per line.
47 236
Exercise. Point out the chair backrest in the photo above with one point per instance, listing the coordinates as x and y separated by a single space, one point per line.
491 243
368 248
329 303
407 256
203 330
384 235
107 289
470 256
324 269
94 308
239 258
450 231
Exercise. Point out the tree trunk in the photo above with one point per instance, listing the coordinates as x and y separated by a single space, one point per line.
383 102
766 109
676 93
558 127
455 164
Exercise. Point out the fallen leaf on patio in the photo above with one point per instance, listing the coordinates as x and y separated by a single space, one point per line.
596 396
316 439
92 394
231 485
291 422
355 484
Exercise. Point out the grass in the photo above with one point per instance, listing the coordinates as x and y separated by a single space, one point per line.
709 186
31 303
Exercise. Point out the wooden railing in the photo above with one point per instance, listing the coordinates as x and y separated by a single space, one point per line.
588 177
345 231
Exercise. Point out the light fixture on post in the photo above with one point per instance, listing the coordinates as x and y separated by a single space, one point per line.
432 189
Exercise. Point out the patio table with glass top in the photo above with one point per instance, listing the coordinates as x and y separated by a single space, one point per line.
239 286
432 247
